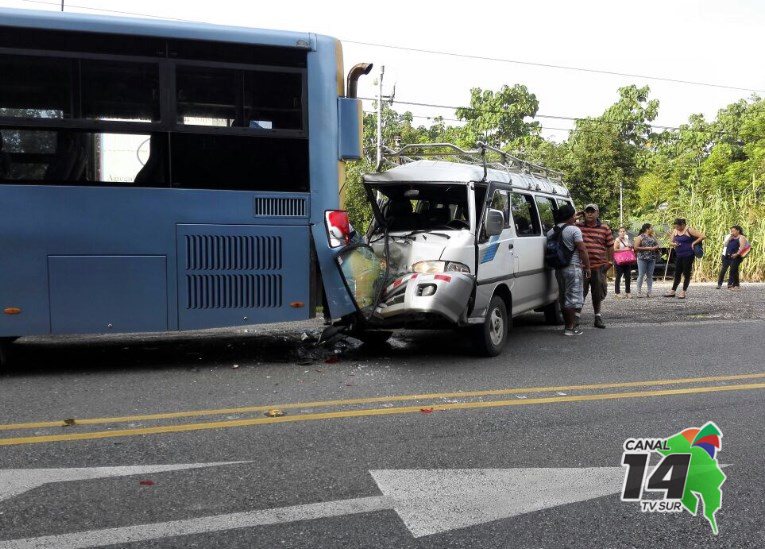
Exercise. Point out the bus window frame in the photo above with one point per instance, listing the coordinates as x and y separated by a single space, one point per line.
168 105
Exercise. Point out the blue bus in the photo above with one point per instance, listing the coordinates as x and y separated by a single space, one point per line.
160 176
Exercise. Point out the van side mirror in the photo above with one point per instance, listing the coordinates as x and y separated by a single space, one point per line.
495 222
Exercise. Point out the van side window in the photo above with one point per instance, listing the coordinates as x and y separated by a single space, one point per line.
525 215
501 202
547 208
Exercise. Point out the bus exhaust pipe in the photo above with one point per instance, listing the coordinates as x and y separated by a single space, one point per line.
356 72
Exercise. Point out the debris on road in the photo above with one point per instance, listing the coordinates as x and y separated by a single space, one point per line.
69 422
146 482
274 412
427 410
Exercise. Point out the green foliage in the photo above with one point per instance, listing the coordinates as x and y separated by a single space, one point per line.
711 172
605 152
499 117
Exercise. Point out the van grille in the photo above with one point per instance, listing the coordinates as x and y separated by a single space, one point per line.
280 207
234 291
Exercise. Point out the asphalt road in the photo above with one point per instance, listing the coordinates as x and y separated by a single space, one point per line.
421 402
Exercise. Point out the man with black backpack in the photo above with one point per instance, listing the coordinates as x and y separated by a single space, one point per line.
566 253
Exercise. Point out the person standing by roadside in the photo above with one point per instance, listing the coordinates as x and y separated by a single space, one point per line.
599 241
647 248
622 242
735 243
683 239
571 277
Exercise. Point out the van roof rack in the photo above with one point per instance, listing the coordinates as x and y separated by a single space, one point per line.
452 153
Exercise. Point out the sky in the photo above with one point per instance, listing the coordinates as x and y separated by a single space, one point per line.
714 42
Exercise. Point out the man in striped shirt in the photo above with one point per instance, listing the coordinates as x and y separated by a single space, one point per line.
599 241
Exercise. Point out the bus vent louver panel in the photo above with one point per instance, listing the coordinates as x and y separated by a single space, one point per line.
219 271
280 207
234 291
233 253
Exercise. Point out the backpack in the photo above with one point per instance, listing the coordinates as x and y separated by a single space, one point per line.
557 254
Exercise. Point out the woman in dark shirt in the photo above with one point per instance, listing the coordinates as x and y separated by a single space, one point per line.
683 239
732 257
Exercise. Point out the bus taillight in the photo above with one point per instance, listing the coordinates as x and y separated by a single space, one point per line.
338 228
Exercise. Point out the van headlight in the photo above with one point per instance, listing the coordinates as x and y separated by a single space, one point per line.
435 267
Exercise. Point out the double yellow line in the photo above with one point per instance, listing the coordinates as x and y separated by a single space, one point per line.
364 412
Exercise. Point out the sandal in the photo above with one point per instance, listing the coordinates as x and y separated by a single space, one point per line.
681 296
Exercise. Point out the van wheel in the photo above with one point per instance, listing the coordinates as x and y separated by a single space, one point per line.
491 336
553 314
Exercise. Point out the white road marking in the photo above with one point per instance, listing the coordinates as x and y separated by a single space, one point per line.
428 502
144 532
17 481
433 501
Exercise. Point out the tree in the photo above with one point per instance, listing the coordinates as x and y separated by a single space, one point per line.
499 117
612 149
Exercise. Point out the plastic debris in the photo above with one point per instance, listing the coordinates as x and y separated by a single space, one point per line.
69 422
426 410
235 366
274 413
146 482
307 338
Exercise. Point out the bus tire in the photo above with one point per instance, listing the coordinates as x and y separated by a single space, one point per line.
5 348
553 314
490 337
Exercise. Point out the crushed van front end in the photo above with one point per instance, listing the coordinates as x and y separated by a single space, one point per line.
414 297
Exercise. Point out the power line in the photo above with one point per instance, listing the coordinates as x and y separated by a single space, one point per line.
541 126
455 54
553 66
490 111
105 10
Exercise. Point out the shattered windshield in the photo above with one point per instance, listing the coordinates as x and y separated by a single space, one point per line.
423 207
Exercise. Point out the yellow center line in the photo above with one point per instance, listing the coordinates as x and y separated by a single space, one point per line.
186 427
373 400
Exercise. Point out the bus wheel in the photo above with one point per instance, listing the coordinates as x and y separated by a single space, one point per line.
553 314
5 347
491 336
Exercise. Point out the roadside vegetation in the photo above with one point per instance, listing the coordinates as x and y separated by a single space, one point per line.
710 172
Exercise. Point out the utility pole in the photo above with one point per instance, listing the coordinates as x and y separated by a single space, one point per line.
621 203
379 116
62 5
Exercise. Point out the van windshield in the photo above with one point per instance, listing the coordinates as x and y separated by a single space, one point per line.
423 207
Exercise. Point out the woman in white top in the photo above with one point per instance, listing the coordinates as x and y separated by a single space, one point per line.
622 242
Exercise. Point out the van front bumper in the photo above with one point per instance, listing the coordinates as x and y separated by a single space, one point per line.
414 294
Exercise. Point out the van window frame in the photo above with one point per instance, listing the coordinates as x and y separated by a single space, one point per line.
535 221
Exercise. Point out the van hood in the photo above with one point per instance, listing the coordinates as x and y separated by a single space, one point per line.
406 249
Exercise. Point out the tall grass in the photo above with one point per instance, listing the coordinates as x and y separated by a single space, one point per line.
714 214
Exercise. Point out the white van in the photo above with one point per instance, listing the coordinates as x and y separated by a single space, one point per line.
456 244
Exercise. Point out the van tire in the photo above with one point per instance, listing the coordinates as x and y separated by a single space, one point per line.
490 337
553 314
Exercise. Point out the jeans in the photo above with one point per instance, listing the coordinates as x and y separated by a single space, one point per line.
733 263
626 272
645 268
683 267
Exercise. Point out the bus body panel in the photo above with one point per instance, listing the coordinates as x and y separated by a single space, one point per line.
66 249
323 120
78 22
58 222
